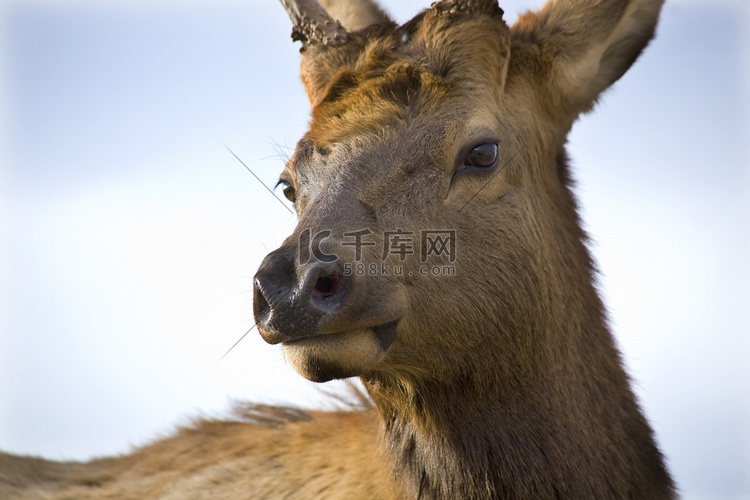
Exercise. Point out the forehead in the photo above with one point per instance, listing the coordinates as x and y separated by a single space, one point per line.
427 78
388 74
380 94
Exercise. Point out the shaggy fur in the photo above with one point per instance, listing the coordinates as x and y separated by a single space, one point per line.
500 380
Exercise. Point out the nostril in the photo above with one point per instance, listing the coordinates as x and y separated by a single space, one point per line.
261 307
328 286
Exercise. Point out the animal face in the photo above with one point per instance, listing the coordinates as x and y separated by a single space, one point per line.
436 230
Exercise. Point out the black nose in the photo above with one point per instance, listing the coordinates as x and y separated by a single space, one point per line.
291 301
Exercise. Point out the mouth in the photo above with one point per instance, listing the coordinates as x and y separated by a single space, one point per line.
340 355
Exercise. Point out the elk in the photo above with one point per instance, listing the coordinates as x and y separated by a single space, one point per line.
439 257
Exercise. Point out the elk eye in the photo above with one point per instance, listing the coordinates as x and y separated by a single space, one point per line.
288 190
482 156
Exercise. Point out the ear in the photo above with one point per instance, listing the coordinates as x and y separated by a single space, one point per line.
355 15
572 50
320 63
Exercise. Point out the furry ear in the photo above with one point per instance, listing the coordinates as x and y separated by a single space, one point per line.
321 63
572 50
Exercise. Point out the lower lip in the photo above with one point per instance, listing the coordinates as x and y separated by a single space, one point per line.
385 335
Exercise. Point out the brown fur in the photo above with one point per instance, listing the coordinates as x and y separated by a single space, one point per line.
244 457
502 380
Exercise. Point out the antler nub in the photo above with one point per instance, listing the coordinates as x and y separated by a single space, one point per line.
312 24
454 7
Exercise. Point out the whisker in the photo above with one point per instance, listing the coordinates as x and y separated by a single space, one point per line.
278 146
283 152
290 218
258 178
263 245
279 156
490 180
235 344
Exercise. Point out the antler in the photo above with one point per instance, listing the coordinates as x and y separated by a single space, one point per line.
467 6
312 24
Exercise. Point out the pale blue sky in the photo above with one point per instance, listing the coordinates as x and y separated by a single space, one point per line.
129 235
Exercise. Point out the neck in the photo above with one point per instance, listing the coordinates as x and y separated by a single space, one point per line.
538 407
576 433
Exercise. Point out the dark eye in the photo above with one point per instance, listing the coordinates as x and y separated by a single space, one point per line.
288 190
482 156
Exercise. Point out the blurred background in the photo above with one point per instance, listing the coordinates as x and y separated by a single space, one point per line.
129 235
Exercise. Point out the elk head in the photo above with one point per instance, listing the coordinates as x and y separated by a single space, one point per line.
437 234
